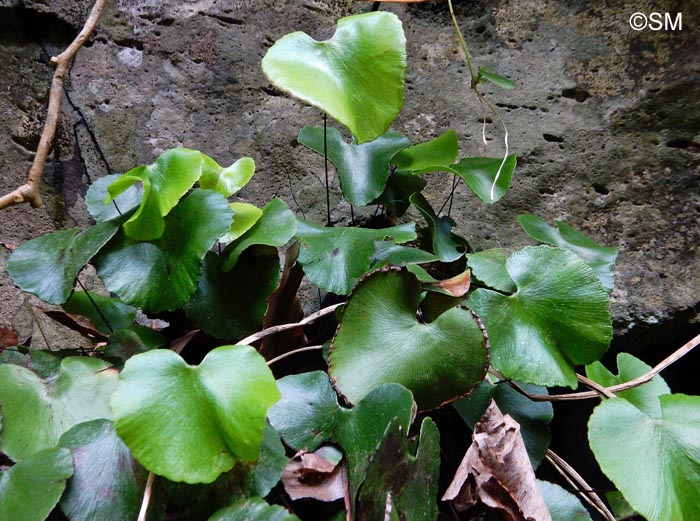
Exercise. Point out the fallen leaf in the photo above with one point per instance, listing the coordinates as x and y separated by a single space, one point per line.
155 324
321 475
496 472
77 323
457 286
179 344
8 337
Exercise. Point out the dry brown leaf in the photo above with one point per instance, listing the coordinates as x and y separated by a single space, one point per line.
457 286
8 338
496 471
179 344
318 475
78 323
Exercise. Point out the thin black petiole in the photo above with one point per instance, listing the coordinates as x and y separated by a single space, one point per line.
97 308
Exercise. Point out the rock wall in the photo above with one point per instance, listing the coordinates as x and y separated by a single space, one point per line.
605 121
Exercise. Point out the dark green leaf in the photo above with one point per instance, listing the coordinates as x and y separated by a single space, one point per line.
388 252
357 76
557 319
87 304
275 228
253 509
533 417
107 483
162 274
435 155
334 259
120 205
562 505
485 176
496 79
232 304
601 259
48 265
654 462
411 480
226 181
440 230
399 188
192 423
46 364
489 266
37 412
379 340
31 489
132 340
363 169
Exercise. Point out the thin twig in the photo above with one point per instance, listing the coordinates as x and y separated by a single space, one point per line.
294 352
146 496
602 391
580 485
284 327
29 192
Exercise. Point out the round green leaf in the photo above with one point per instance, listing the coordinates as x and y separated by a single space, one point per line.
107 483
357 76
654 462
232 304
363 169
118 206
334 259
191 423
601 259
253 509
48 265
480 175
274 228
114 311
226 181
379 340
37 412
244 217
30 489
557 319
433 156
562 505
162 274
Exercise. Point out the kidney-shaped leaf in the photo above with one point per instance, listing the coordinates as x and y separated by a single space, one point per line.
488 177
30 489
335 258
357 76
557 319
363 169
380 340
253 509
48 265
162 274
191 423
601 259
654 462
37 412
107 483
435 155
226 181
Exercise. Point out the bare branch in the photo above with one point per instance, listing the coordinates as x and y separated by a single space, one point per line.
284 327
290 353
146 496
29 192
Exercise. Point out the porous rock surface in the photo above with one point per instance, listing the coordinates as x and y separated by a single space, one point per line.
605 122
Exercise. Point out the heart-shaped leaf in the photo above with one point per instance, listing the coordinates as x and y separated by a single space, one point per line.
557 319
118 206
232 304
275 227
411 480
489 266
191 423
162 274
31 489
37 412
308 414
253 509
357 76
653 461
644 397
107 483
562 505
440 229
226 181
106 314
433 156
533 417
380 340
488 177
363 169
48 265
601 259
334 259
244 217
